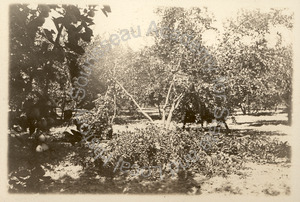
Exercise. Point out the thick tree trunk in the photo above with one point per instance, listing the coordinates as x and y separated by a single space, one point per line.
168 94
173 107
167 101
170 115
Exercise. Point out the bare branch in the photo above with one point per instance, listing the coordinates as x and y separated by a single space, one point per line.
131 97
169 92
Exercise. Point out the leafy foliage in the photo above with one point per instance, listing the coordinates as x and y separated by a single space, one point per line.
252 55
44 57
169 150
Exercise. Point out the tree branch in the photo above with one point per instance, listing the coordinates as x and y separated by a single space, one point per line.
167 100
169 92
59 30
173 107
129 95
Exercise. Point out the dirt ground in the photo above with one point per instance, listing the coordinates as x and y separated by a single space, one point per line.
253 178
257 179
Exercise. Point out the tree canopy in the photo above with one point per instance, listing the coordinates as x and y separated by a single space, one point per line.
44 57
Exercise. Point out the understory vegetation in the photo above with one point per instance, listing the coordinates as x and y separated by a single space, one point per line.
147 147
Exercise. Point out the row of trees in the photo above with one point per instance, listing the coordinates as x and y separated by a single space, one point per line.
257 74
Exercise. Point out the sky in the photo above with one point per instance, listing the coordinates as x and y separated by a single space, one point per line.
133 13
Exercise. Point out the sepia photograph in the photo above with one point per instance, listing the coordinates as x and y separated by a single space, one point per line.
160 98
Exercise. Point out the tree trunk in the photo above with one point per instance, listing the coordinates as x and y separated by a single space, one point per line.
63 106
170 115
115 109
288 103
289 109
247 104
133 100
243 110
167 101
173 107
159 112
168 94
115 100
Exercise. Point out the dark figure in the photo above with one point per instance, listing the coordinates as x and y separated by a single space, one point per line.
191 107
195 111
209 116
189 115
